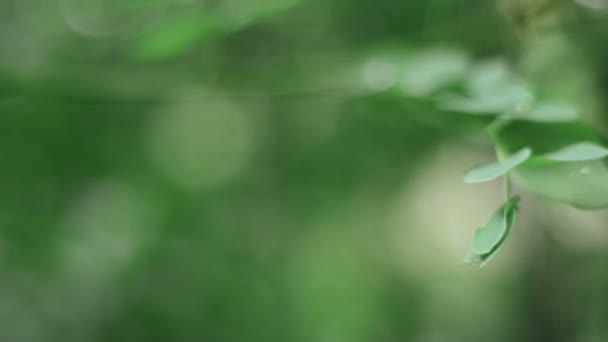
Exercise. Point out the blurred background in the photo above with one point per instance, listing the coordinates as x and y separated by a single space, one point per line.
268 170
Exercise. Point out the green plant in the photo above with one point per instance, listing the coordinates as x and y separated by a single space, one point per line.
541 144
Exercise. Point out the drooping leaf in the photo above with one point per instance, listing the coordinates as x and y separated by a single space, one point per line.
488 239
488 236
579 152
473 258
495 170
511 209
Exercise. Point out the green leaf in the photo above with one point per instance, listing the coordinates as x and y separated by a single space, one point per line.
505 98
488 75
473 258
433 69
488 239
495 170
579 152
551 112
178 35
491 89
488 236
583 184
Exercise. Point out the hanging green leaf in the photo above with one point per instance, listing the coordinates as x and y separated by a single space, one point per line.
579 152
489 238
495 170
472 258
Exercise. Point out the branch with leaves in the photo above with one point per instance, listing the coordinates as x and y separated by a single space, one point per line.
541 144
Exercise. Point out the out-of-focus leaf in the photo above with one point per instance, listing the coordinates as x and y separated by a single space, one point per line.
551 112
491 89
424 112
505 98
94 18
495 170
487 76
488 238
429 71
579 152
175 36
180 33
138 4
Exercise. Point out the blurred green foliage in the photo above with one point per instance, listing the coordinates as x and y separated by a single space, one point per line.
290 170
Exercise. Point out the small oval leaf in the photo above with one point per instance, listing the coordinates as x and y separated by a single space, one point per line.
579 152
495 170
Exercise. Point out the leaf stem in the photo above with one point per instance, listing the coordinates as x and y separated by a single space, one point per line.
497 125
507 186
492 130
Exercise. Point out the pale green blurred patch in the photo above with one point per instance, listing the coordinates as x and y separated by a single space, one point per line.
188 141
